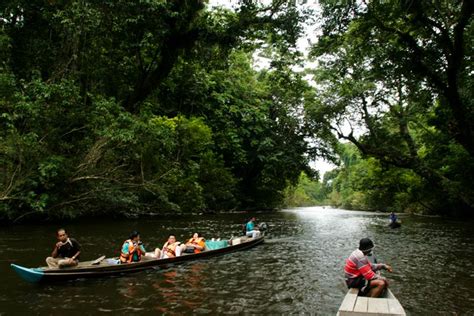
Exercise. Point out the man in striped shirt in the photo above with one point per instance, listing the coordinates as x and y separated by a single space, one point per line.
360 272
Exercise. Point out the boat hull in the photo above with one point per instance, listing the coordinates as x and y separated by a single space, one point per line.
36 275
394 225
31 275
354 305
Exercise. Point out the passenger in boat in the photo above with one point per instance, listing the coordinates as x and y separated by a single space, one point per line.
360 272
155 254
196 244
132 249
251 230
172 248
393 218
66 251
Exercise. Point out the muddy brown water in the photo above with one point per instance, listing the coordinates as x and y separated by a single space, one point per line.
298 270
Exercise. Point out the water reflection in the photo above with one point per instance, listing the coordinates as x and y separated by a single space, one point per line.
298 269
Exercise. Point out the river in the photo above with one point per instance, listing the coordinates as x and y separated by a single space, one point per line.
298 270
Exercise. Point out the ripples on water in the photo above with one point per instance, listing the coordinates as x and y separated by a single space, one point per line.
297 271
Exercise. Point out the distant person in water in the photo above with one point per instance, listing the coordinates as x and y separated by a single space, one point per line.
393 218
360 272
132 249
66 251
251 230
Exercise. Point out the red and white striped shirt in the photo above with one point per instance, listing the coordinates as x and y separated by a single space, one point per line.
358 264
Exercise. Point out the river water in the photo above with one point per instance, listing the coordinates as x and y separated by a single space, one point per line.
298 270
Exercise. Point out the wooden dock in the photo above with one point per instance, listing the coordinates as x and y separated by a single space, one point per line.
354 305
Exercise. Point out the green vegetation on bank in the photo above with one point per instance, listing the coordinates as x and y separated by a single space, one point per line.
395 80
130 107
308 192
362 184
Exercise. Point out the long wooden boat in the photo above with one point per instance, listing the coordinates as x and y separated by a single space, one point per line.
108 267
353 305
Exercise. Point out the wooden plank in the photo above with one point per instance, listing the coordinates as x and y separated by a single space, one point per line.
361 304
395 308
354 305
377 306
348 303
354 291
98 260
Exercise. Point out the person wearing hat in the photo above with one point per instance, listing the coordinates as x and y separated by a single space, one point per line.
360 272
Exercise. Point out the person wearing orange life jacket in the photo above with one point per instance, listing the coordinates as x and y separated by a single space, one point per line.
132 249
172 248
196 244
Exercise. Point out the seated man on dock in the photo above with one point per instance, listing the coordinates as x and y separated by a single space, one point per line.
360 272
132 249
66 251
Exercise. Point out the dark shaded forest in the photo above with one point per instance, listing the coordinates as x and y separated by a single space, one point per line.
125 108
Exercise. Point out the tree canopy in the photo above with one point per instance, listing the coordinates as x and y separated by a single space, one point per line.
395 80
130 107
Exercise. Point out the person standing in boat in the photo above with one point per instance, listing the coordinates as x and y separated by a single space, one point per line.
360 272
251 230
132 249
196 244
172 248
66 251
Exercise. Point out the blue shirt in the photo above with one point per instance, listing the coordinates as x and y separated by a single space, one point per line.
393 218
250 226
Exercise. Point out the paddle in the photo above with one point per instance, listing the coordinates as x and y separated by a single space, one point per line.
98 260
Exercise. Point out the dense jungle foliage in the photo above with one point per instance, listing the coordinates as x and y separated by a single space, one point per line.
395 85
152 106
146 106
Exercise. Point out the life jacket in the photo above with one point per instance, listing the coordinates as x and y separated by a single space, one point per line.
170 249
132 248
198 242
